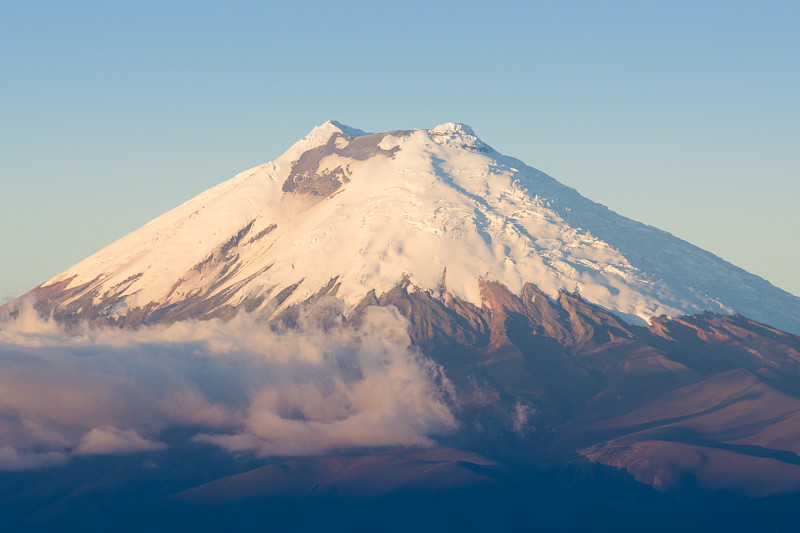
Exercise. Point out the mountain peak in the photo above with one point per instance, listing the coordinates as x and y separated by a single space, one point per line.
457 135
371 210
319 136
344 128
322 133
453 128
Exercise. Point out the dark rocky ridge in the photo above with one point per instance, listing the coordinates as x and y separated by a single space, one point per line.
539 380
305 176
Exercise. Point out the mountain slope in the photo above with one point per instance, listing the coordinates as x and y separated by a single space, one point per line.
347 213
559 332
709 396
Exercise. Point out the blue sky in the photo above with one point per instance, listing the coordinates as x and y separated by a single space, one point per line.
683 115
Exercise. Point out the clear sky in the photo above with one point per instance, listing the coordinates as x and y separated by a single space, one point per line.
683 115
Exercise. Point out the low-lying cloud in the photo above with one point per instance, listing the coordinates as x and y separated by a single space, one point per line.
320 386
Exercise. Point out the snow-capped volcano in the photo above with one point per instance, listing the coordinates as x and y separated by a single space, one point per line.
420 287
345 213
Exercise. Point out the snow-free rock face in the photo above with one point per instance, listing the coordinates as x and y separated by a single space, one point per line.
344 213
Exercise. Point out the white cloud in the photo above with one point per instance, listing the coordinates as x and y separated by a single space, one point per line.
108 440
522 412
372 391
319 386
11 459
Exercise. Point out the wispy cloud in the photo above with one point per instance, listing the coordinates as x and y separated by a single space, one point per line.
322 385
108 440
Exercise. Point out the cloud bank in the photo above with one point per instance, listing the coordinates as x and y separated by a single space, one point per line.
243 386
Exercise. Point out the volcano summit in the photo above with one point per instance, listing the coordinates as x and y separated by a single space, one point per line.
349 214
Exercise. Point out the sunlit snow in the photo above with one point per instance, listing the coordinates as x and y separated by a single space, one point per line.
429 202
